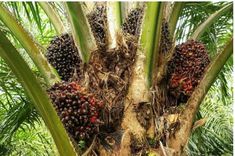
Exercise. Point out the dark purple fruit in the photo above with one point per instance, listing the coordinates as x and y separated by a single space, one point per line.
63 55
132 23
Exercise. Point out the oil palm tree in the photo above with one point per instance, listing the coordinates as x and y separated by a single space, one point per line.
124 53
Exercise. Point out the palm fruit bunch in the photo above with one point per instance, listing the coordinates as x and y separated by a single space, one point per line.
165 42
63 55
186 68
133 22
78 110
98 22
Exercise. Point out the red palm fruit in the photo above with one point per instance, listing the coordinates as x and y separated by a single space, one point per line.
78 110
186 68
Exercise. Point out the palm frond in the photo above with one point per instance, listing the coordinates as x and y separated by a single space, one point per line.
34 9
23 133
215 137
197 96
15 108
214 37
81 30
150 36
53 16
32 141
189 19
174 16
207 23
21 113
11 90
29 44
35 92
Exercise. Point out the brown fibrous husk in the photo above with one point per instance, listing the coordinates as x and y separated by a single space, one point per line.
109 74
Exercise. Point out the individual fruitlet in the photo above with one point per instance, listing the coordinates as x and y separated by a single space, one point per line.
78 110
63 55
186 68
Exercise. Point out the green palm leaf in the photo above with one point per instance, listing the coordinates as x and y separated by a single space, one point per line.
35 92
81 30
29 44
